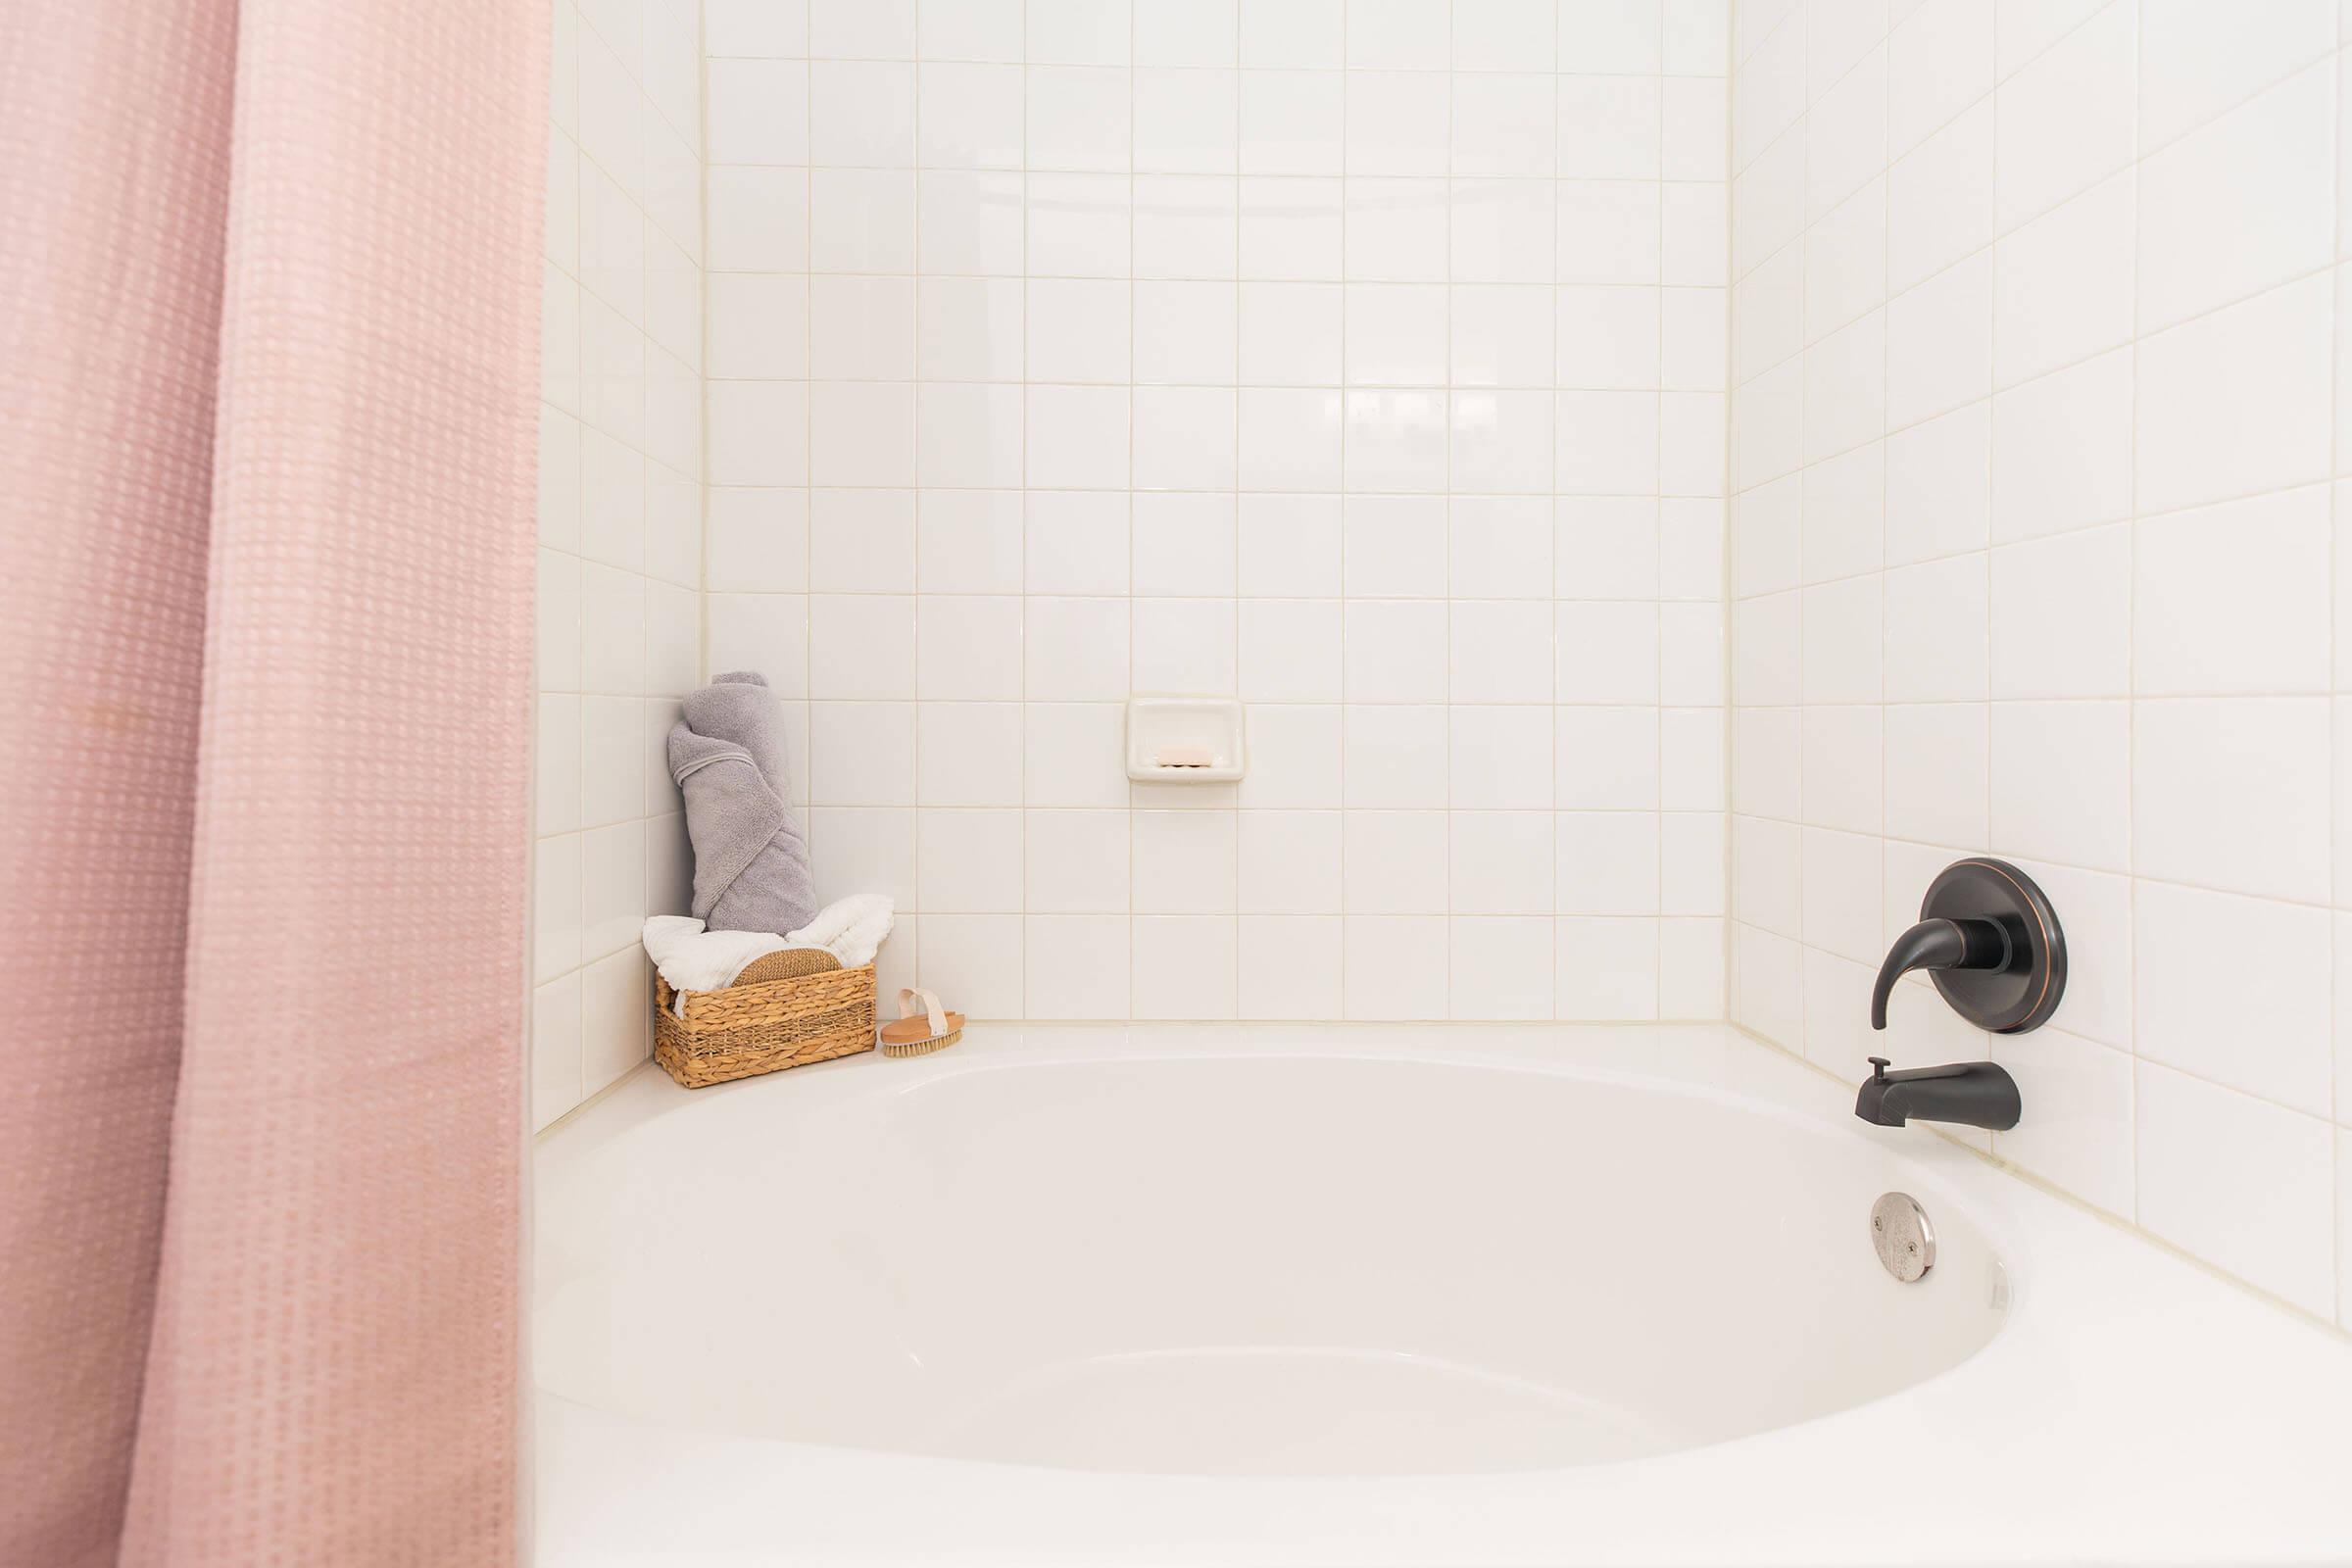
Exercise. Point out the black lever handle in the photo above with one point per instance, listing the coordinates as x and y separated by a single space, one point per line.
1938 944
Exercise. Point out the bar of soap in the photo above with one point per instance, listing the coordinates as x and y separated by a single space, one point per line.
1184 756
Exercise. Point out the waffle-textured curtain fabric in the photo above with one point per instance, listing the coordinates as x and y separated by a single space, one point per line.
268 319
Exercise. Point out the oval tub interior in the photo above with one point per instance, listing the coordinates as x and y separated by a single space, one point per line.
1278 1265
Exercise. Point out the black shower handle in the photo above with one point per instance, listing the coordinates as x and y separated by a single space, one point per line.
1938 944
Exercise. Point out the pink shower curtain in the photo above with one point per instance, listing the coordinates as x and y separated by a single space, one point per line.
269 288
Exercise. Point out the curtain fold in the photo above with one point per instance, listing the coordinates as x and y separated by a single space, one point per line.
267 425
112 228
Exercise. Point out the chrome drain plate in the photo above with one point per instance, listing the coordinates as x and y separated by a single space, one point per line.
1904 1240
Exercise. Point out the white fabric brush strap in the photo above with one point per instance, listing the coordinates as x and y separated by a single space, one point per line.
930 1008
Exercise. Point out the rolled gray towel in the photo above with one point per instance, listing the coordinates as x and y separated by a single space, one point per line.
750 863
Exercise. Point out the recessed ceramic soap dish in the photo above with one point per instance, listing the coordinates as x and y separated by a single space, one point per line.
1186 740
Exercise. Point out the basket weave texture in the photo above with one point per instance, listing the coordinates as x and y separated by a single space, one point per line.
761 1024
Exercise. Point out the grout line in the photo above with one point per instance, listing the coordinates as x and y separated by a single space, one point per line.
1072 171
2338 1106
1734 989
2320 907
1234 579
1446 415
1128 790
1993 359
2330 57
807 369
1727 953
1434 387
1551 821
1658 544
701 370
2132 740
922 976
1804 998
1022 586
1346 924
1999 390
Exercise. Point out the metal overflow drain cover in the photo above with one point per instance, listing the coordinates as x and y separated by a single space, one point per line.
1902 1237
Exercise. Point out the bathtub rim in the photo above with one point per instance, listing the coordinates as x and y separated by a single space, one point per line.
2060 1257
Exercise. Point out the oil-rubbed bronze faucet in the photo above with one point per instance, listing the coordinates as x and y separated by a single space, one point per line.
1993 946
1975 1094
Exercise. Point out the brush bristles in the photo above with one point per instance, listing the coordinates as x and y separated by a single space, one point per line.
922 1048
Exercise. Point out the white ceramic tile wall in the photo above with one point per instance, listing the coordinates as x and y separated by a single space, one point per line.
1363 358
2035 434
620 527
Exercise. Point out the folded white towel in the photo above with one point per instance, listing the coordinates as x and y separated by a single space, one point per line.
692 959
851 929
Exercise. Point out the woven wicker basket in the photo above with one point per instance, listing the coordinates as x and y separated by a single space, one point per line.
782 1011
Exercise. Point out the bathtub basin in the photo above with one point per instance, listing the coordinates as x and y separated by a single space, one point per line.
1380 1294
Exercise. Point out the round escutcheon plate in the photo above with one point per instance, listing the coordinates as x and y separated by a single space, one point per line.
2023 993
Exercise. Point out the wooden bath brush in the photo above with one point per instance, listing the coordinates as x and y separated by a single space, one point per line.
922 1027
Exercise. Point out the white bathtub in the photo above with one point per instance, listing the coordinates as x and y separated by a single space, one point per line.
1377 1295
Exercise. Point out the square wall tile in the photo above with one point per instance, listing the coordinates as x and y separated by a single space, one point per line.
2232 404
1501 967
1605 969
1076 965
1289 967
1387 967
2235 990
978 958
2241 1183
1185 966
2062 616
2233 598
2231 793
2061 782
